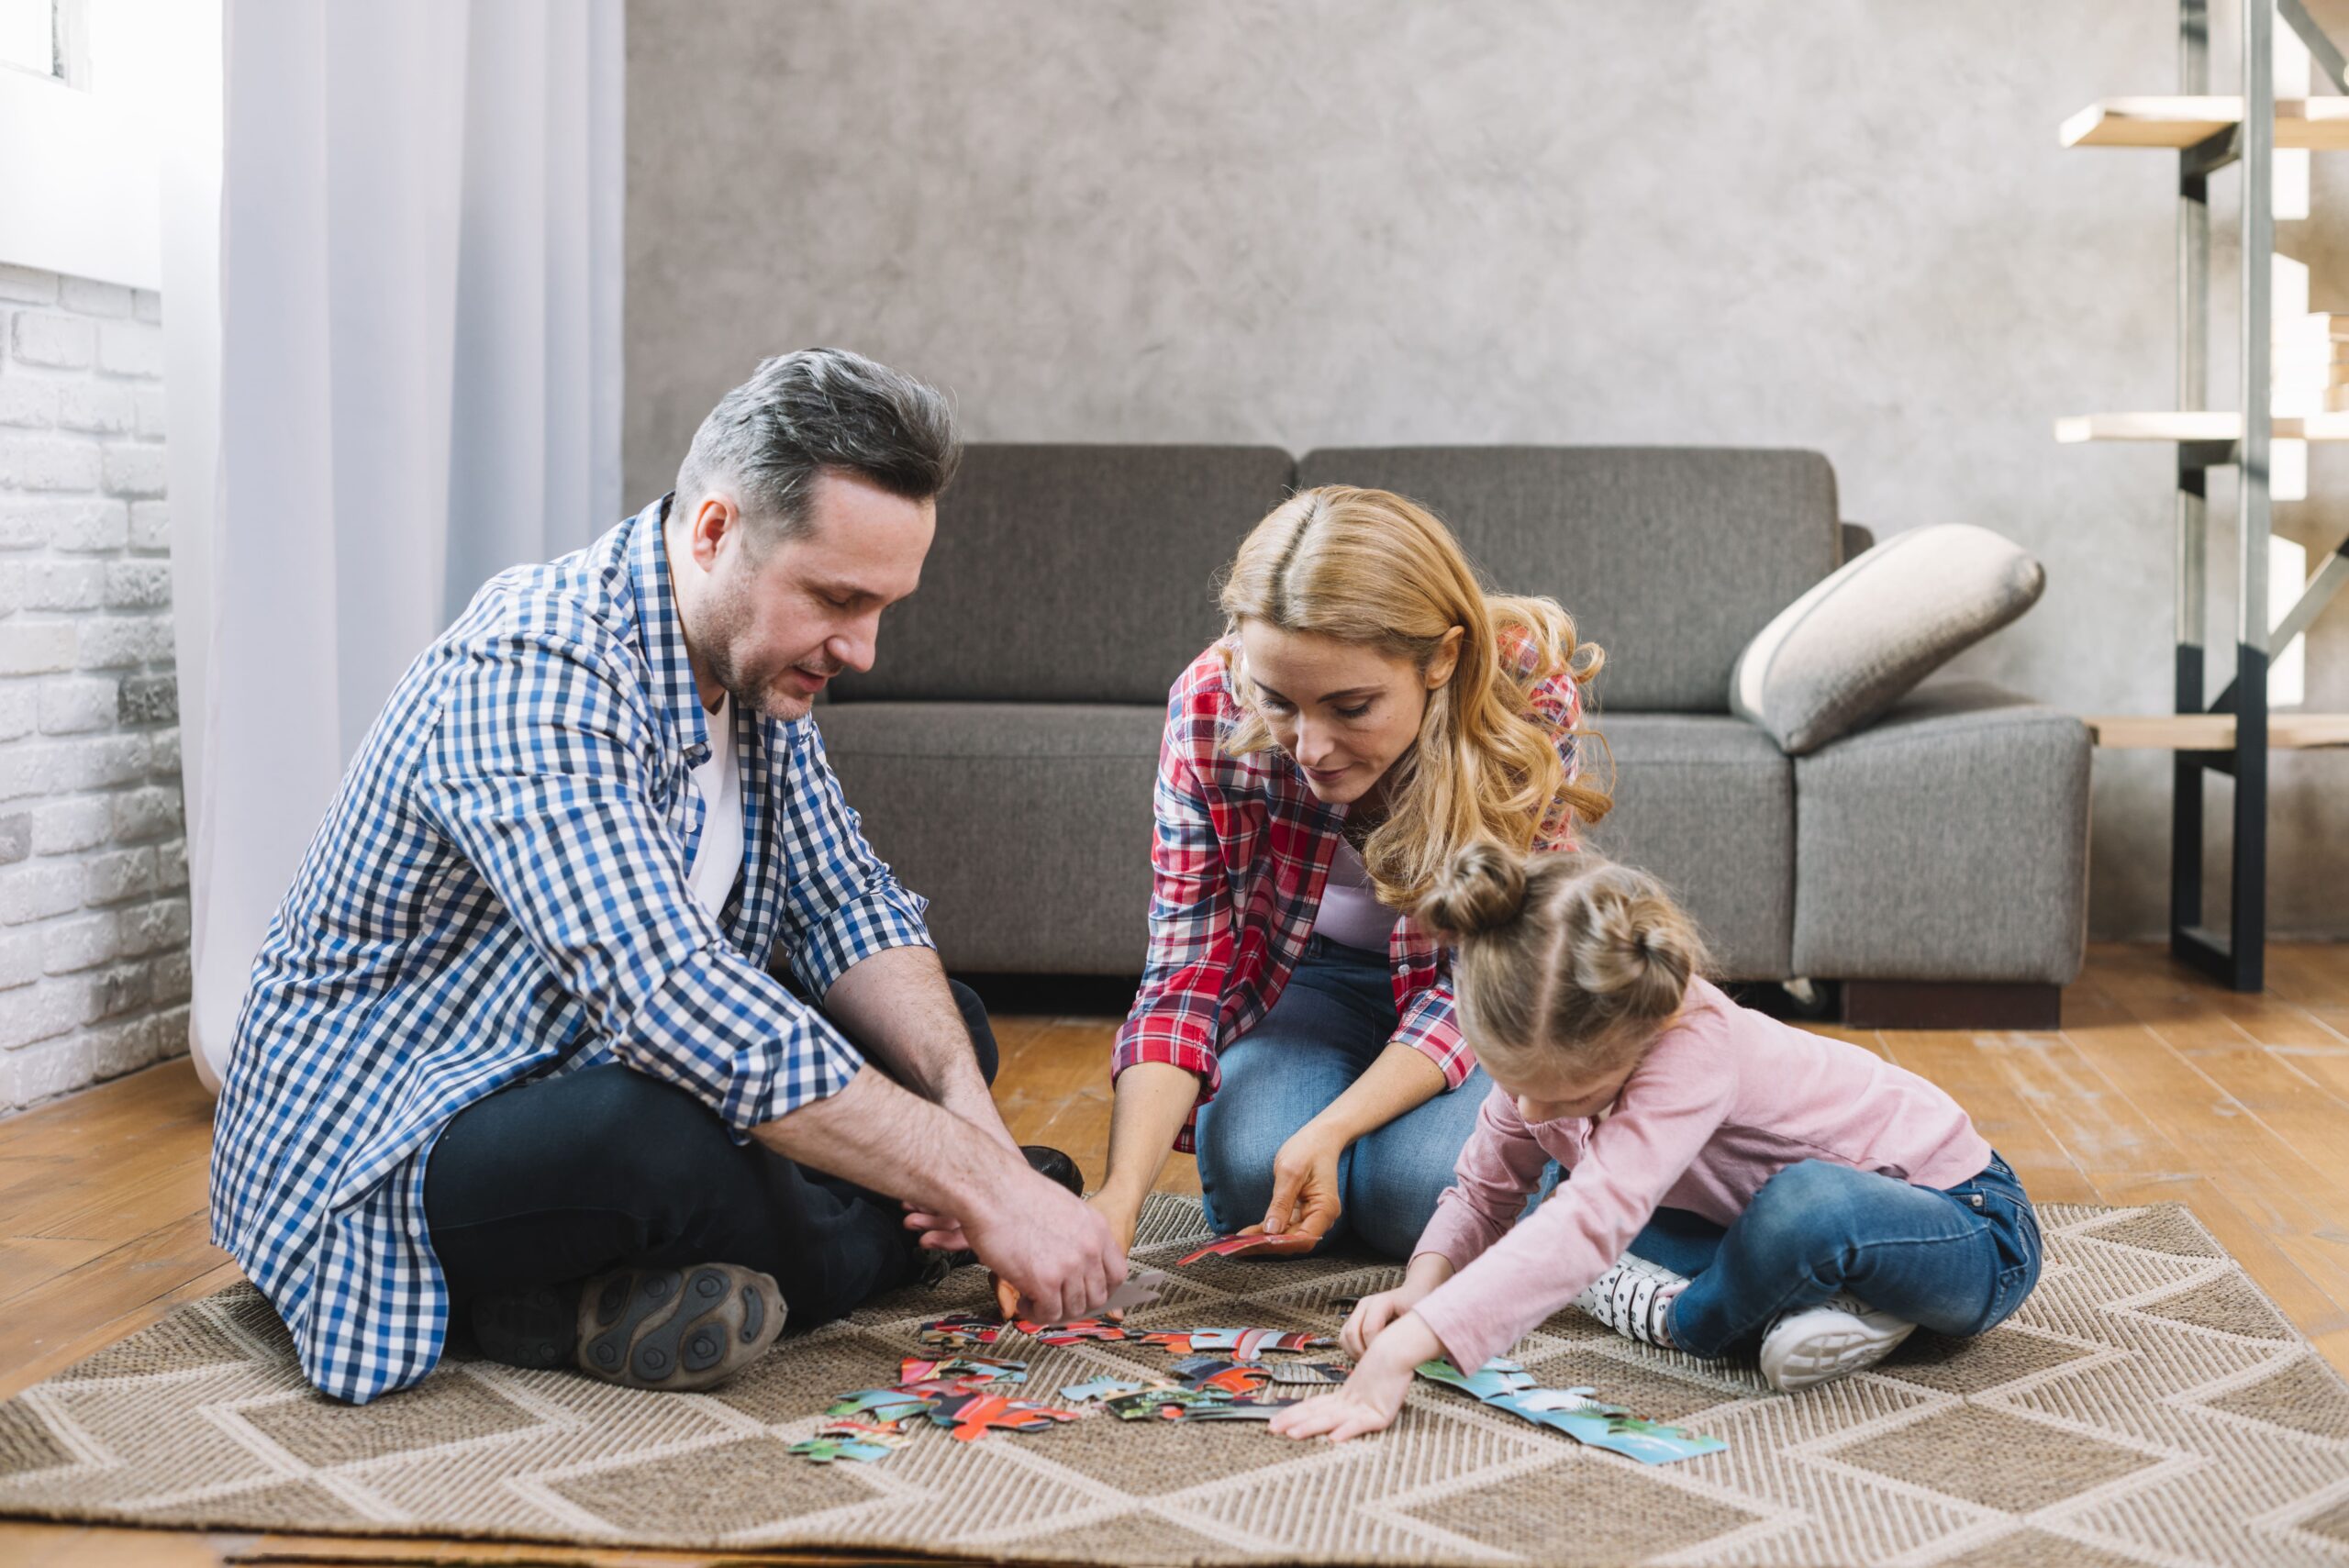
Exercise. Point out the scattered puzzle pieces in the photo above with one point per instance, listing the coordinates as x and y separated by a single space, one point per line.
1505 1385
1234 1246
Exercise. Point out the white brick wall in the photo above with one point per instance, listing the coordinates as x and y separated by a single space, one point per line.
94 915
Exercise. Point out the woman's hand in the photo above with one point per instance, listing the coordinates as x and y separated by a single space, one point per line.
1371 1398
1305 1184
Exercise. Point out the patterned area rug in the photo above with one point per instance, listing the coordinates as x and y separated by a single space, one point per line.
2148 1406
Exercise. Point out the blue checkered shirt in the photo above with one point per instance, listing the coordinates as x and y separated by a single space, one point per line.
498 893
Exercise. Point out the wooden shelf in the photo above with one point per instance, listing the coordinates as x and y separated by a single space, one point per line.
2213 732
2319 123
2220 425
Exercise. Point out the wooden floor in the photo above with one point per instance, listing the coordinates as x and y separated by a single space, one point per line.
2159 1086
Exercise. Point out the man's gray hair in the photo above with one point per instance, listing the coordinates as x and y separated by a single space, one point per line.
801 414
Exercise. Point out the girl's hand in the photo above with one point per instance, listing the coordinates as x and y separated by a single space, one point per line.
1372 1396
1305 1185
1373 1314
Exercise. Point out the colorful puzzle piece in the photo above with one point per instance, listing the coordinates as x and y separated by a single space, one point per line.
1234 1246
1505 1385
1073 1333
972 1416
879 1405
1248 1344
971 1369
1099 1389
961 1331
1214 1372
824 1451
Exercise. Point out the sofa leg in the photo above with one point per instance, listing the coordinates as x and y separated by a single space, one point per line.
1951 1004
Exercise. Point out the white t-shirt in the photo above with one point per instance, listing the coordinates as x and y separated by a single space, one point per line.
718 857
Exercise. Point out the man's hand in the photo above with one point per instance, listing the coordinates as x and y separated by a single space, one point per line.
1121 1221
1058 1255
944 1232
1305 1185
1372 1396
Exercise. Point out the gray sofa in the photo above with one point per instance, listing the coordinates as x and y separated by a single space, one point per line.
1002 752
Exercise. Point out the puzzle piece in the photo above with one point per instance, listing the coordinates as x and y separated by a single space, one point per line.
1141 1288
824 1451
1541 1401
890 1434
1081 1330
961 1331
1214 1372
1234 1246
972 1416
1505 1385
1099 1389
1248 1344
1494 1380
879 1405
974 1368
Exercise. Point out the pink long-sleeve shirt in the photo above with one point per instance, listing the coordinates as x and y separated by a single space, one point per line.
1724 1100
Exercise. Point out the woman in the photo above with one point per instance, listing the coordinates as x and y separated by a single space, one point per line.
1369 712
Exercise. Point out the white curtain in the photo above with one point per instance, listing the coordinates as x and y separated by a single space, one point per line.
410 380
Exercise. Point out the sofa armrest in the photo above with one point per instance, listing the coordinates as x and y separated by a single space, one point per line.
1946 841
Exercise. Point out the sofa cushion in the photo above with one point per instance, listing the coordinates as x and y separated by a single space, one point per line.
1706 802
1846 651
1071 573
1026 825
1947 842
1670 558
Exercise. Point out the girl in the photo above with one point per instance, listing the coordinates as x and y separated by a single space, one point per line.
1824 1202
1368 712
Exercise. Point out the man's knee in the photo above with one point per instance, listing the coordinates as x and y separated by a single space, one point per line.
974 1019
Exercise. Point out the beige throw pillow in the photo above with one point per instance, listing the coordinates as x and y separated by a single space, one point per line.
1845 652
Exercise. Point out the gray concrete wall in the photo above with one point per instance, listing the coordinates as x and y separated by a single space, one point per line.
1844 226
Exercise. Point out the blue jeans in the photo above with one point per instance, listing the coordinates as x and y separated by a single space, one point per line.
1335 1017
1957 1261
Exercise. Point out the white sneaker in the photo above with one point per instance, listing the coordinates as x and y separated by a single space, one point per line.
1835 1338
1625 1298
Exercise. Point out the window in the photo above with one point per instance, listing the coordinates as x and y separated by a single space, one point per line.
47 37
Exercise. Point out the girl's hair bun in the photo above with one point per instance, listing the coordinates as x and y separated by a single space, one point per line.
1480 892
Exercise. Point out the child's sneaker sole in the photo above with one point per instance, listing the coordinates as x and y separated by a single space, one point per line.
679 1329
1821 1343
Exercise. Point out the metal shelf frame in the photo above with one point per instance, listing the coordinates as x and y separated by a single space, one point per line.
2236 958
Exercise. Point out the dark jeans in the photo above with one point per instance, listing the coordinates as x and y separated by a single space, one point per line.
1956 1261
563 1177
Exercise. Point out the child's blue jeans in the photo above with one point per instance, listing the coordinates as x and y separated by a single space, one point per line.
1332 1020
1956 1262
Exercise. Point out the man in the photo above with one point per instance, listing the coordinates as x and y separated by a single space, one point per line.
511 1047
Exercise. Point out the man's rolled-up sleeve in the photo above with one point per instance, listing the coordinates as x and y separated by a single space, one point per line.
536 774
841 902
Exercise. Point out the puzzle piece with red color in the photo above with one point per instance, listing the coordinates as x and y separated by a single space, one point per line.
1234 1246
961 1331
972 1416
1081 1330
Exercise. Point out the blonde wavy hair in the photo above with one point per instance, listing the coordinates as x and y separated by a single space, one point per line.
1566 954
1371 568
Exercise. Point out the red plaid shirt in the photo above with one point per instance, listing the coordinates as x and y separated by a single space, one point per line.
1242 851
